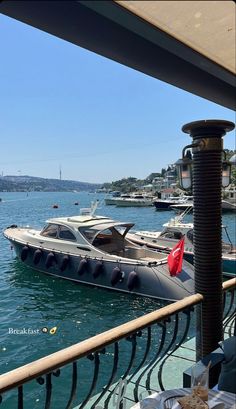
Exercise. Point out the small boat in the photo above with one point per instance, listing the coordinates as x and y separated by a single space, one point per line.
135 201
173 231
166 204
130 200
112 200
94 250
226 206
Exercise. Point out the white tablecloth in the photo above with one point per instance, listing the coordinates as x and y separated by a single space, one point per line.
229 399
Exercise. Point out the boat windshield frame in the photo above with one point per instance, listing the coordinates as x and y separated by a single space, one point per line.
58 230
93 231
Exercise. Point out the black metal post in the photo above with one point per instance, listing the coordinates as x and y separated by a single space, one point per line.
207 185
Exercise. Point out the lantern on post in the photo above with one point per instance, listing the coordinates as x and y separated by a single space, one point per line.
185 164
184 169
226 173
206 173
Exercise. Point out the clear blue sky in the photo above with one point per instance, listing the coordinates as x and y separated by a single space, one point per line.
99 120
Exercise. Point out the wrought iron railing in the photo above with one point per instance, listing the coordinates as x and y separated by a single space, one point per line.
124 362
229 316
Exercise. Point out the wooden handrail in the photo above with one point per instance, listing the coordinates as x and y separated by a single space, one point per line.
229 284
49 363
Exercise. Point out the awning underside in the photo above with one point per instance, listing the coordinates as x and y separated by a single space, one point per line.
189 44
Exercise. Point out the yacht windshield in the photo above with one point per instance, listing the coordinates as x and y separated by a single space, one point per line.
50 230
88 233
106 230
110 241
58 232
66 234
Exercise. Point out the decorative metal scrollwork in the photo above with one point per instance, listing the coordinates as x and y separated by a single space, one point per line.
135 359
73 385
229 316
20 397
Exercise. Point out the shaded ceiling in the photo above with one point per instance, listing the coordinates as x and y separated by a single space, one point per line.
208 27
189 44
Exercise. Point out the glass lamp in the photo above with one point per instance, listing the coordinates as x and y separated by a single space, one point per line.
226 173
184 167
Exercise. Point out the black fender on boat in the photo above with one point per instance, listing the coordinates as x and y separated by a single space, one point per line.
82 266
116 276
24 253
64 263
50 259
98 269
37 256
133 280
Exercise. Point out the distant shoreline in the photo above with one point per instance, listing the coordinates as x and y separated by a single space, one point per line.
37 184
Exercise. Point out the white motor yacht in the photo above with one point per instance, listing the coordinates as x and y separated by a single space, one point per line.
130 200
94 250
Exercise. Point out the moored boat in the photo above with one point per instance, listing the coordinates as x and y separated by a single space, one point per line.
173 231
165 204
226 206
112 201
130 200
135 201
94 250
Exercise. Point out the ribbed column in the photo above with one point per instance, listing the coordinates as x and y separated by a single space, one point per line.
207 182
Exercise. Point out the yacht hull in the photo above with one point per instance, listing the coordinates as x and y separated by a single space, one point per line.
115 274
162 205
134 203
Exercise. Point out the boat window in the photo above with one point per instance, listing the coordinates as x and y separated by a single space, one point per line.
176 235
50 230
104 237
66 234
190 235
121 229
106 233
88 233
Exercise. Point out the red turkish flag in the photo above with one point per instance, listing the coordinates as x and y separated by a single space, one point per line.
175 258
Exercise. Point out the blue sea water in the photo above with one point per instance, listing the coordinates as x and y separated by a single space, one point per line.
32 300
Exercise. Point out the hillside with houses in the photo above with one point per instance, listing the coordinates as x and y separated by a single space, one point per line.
163 184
